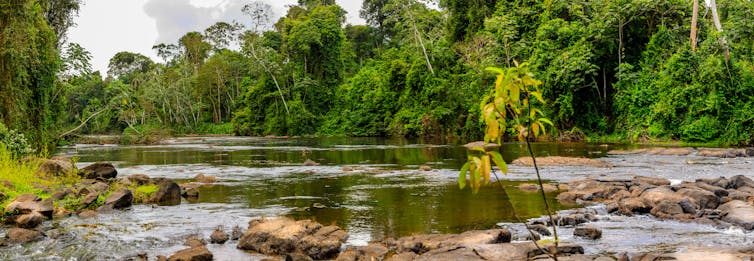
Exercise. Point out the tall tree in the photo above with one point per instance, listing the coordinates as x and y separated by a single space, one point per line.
195 49
59 15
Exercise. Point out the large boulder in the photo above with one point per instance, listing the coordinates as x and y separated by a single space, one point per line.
120 199
738 213
56 166
30 220
168 194
22 235
100 171
654 196
737 182
703 198
199 253
283 235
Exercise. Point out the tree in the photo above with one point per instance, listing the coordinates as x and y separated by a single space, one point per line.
59 15
467 16
126 65
221 35
195 49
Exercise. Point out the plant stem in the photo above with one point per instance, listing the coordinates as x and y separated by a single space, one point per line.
544 198
519 220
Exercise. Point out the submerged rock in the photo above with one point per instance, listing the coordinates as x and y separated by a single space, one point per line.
283 235
201 178
310 163
100 171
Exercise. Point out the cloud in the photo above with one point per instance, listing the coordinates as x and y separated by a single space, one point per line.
175 18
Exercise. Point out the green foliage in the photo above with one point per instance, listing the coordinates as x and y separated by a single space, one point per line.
511 105
143 193
15 142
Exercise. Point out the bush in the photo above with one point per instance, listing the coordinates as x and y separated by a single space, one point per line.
15 142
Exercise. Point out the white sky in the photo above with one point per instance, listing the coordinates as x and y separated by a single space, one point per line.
106 27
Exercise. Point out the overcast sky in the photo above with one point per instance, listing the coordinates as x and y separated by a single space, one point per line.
105 27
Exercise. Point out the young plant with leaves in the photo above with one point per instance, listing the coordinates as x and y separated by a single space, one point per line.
509 106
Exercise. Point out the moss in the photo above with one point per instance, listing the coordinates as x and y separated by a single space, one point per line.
144 192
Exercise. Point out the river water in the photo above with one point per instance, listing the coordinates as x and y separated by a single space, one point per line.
371 187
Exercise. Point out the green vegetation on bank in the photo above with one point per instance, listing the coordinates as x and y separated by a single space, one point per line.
631 70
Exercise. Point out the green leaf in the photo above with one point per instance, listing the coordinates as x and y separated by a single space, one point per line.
545 120
462 175
499 162
495 70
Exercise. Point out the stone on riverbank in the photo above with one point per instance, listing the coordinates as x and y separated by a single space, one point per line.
21 235
99 171
168 194
562 161
283 235
120 199
29 203
56 166
30 220
199 253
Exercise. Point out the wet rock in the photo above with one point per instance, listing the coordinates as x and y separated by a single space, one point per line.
528 187
718 191
749 152
703 198
195 241
737 182
168 194
573 219
139 179
425 168
652 181
219 237
718 182
588 232
688 207
236 233
562 161
57 166
21 235
30 220
190 193
721 153
120 199
540 229
201 178
372 251
199 253
739 213
99 171
162 258
297 257
520 251
87 214
310 163
666 209
630 206
423 243
318 205
347 169
281 236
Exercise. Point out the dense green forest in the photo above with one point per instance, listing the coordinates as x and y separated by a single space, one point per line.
634 69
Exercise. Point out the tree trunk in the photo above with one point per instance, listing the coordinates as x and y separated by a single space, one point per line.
694 19
419 38
719 26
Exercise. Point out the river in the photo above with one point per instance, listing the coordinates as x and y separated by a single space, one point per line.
371 187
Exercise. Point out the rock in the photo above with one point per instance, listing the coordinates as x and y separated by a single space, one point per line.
654 196
318 205
190 193
718 191
29 203
629 206
310 163
562 161
721 153
423 243
283 235
372 251
718 182
96 187
30 220
297 257
588 232
749 152
199 253
528 187
236 233
57 167
99 171
703 198
738 213
666 209
87 214
168 194
540 229
406 256
61 194
425 168
195 241
652 181
120 199
89 199
219 237
139 179
737 182
346 169
201 178
688 207
22 235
